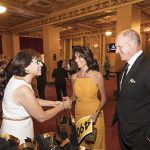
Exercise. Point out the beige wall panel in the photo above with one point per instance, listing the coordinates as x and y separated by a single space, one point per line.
16 44
7 45
51 45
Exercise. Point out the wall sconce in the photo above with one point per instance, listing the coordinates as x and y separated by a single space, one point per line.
108 33
95 45
2 9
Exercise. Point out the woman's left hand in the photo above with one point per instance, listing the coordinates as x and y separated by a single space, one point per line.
94 117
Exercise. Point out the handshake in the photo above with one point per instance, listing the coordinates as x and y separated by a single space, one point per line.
66 103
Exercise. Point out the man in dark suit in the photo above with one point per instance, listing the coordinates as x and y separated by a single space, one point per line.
41 82
133 106
60 75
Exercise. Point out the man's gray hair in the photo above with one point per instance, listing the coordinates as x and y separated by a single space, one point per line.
131 35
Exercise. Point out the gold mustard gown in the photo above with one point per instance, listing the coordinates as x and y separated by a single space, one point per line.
86 104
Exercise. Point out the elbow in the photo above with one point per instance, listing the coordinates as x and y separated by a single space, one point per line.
104 99
41 118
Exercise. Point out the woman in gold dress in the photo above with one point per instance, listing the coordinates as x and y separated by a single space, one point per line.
86 84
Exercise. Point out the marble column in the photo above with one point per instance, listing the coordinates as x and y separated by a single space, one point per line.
51 45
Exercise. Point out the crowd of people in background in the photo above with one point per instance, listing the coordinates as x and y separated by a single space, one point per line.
4 75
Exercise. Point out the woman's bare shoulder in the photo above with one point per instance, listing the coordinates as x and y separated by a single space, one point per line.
73 77
23 90
23 94
95 74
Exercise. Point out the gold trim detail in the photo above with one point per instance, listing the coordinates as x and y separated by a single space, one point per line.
10 137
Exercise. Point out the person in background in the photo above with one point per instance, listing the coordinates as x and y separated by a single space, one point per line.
41 81
133 107
3 78
72 67
60 75
96 65
8 70
19 103
107 68
86 84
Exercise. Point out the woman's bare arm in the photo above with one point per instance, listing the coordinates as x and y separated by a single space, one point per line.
73 78
48 102
98 78
101 88
24 96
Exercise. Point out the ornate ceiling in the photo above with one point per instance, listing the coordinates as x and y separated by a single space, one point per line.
29 16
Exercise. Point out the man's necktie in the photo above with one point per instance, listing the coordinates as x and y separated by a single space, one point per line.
124 74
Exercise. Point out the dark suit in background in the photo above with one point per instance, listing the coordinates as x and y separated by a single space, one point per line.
60 75
133 106
41 82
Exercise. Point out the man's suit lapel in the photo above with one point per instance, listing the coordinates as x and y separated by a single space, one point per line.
131 71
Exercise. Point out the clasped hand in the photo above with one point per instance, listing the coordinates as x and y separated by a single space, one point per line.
67 102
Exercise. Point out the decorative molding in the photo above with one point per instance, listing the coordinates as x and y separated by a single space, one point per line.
85 34
92 7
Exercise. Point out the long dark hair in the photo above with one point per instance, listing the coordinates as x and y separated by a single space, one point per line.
87 54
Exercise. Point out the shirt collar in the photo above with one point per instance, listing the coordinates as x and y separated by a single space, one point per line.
133 58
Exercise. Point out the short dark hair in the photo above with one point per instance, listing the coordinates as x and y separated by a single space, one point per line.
2 62
59 63
22 60
87 54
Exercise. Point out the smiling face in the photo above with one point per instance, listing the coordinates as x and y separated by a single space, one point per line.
125 47
35 67
81 62
127 44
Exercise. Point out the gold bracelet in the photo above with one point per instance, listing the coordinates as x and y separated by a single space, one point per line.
63 106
